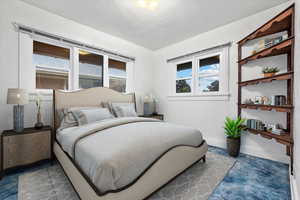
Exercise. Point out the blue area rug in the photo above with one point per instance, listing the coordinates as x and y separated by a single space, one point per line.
254 178
251 178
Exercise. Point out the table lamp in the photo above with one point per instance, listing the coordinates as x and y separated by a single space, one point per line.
18 97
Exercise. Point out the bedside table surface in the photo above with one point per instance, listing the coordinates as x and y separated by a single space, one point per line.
26 131
158 115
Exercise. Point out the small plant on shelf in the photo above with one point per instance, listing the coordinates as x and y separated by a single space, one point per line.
270 71
233 129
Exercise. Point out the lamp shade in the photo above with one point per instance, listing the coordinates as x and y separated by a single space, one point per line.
17 96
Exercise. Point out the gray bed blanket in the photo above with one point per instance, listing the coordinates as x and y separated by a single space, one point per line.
114 152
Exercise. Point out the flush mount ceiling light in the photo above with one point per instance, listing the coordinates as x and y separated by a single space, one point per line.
149 4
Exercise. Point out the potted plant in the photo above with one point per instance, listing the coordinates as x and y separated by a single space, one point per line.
270 71
233 129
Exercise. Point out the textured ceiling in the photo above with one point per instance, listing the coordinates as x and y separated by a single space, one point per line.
173 20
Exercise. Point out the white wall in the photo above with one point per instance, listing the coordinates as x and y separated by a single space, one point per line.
18 11
296 179
209 116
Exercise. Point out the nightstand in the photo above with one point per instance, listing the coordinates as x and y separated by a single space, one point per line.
19 150
155 116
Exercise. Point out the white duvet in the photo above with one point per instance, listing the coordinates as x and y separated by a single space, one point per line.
115 152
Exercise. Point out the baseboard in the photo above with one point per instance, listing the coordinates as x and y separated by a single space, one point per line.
294 190
250 150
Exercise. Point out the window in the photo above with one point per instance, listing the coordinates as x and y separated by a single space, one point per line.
66 67
205 74
208 74
184 77
117 75
90 70
52 65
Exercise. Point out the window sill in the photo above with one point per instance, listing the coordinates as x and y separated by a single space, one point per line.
193 97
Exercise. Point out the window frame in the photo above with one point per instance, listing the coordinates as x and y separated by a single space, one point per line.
197 73
126 70
73 71
223 74
192 81
48 68
77 60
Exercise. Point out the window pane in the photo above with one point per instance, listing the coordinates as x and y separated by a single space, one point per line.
184 86
90 70
209 84
52 64
116 68
51 80
210 65
184 70
118 84
117 75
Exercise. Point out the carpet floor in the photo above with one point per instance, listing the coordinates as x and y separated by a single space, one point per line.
250 178
196 183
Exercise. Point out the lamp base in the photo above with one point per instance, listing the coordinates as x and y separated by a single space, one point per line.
18 118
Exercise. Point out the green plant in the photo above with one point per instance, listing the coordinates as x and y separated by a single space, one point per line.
270 70
233 127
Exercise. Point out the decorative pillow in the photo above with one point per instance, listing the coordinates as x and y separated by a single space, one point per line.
86 116
124 109
67 118
108 106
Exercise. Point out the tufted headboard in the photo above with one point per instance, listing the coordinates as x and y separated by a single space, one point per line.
86 98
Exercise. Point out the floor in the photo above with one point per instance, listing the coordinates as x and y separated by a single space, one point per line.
251 178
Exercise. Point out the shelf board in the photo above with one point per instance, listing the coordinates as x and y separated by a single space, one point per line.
285 108
281 22
278 77
283 47
284 138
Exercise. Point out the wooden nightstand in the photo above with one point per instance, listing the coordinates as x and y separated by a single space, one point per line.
155 116
24 149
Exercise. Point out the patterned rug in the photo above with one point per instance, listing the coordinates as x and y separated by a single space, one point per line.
197 183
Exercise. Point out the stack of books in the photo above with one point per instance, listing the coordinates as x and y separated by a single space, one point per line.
256 124
278 100
266 43
274 41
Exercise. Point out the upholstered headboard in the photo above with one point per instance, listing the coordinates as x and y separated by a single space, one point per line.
86 98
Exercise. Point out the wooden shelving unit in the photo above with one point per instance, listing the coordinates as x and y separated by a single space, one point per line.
285 108
283 138
282 22
279 77
283 47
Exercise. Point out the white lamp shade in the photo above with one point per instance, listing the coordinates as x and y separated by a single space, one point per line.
17 96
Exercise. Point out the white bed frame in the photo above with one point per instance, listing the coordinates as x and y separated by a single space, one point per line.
164 169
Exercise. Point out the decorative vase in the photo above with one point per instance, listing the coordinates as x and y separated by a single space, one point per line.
149 108
39 124
269 74
233 146
18 118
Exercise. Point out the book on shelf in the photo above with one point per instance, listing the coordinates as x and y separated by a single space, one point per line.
268 42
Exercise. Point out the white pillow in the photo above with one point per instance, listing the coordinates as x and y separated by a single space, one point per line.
86 116
124 109
67 118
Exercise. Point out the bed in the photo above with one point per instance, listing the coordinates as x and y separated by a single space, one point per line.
122 158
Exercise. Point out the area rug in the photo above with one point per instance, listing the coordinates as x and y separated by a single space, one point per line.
197 183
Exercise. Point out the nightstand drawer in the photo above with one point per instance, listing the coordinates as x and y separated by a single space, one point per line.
25 149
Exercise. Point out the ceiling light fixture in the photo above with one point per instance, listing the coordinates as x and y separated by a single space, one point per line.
149 4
